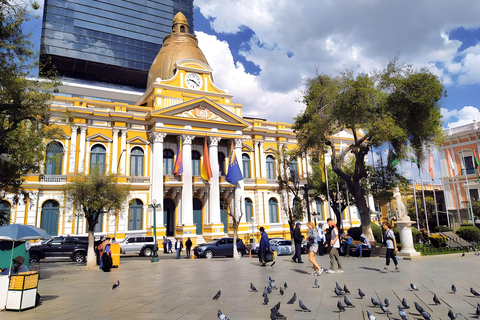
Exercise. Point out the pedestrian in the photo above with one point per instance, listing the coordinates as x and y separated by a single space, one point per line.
170 246
297 238
101 249
320 240
334 246
391 244
165 244
178 247
17 266
313 248
264 248
107 261
188 245
345 245
364 244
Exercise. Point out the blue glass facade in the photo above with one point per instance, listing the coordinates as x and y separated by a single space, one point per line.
112 41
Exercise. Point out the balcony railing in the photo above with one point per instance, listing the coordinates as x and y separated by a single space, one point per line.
172 178
132 179
53 178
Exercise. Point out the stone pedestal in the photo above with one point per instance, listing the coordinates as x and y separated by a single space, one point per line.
406 238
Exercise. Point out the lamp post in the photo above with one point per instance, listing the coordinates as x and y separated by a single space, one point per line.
153 207
305 188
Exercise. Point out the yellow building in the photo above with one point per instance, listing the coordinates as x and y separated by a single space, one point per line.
139 142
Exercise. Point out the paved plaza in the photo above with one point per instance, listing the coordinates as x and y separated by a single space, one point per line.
183 289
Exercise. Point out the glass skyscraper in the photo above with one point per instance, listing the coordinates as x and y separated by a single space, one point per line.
112 41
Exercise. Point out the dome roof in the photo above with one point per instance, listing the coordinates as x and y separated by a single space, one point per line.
177 46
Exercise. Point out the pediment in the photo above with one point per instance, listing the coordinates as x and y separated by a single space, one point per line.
247 148
201 109
99 138
137 140
270 150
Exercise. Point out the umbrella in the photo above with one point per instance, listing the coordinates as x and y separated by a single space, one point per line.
22 232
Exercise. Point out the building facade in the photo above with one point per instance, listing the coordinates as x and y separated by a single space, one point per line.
112 41
181 107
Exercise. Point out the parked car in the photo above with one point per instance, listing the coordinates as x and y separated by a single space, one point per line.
73 247
304 246
255 246
141 245
282 247
219 247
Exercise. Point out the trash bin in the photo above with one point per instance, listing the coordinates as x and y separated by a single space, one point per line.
116 250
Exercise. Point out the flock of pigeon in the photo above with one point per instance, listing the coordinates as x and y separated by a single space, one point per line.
342 295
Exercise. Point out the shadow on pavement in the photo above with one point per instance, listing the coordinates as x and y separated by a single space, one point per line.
371 269
301 271
48 298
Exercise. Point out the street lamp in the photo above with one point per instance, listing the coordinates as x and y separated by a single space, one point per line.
153 207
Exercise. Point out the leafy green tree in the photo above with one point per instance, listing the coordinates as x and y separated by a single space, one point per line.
93 195
476 208
397 107
24 110
430 204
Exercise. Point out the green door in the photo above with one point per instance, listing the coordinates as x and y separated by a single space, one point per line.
224 218
197 215
135 215
49 221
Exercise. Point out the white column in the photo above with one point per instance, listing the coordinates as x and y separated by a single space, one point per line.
115 151
263 161
214 194
256 162
187 192
156 186
73 150
123 146
81 154
239 190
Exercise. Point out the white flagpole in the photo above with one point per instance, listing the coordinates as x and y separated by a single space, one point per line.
468 188
415 199
424 203
328 191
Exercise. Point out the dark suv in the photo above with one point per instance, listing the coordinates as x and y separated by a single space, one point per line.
219 247
72 247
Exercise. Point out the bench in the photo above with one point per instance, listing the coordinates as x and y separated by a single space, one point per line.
366 252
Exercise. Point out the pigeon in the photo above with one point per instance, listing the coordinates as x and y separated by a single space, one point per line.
338 287
281 291
346 289
266 300
347 302
405 304
269 289
304 307
413 287
477 312
339 292
387 302
384 309
477 253
271 279
463 254
370 316
116 284
315 284
475 293
252 287
272 285
361 294
265 292
219 293
418 307
435 299
451 315
277 306
221 316
294 298
340 306
454 289
275 315
374 302
426 315
285 285
402 313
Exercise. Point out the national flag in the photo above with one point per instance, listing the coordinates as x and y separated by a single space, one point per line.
477 163
234 173
178 169
415 160
392 159
206 170
451 166
322 166
430 163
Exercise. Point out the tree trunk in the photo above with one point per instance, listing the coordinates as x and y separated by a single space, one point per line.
364 211
91 258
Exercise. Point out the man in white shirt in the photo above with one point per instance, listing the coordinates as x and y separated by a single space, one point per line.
335 243
320 240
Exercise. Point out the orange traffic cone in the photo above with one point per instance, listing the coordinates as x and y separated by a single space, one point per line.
192 256
250 254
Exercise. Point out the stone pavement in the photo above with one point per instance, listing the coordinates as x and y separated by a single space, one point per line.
183 289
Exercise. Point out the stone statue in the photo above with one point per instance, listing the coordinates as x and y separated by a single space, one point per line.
400 206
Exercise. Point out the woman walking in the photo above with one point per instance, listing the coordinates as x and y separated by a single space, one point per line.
391 244
313 248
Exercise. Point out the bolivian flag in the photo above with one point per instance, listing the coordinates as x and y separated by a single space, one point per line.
178 169
205 169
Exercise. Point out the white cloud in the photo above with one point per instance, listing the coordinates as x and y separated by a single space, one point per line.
455 117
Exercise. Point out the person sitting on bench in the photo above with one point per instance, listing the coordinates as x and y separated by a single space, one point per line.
364 244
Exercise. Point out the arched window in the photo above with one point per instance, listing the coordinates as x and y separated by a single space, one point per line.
319 209
135 215
5 209
53 161
195 163
273 210
246 165
167 162
293 170
97 158
221 164
49 221
136 162
270 167
248 210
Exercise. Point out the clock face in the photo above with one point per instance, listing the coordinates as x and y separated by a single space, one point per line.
193 81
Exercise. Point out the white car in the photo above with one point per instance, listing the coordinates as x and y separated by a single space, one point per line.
141 245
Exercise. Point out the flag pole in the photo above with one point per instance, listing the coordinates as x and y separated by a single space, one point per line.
468 187
415 199
430 169
424 203
328 191
435 199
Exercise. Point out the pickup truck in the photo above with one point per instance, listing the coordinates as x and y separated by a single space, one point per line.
73 247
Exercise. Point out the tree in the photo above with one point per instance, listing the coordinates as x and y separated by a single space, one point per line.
397 108
476 208
24 110
412 213
235 212
289 186
93 195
